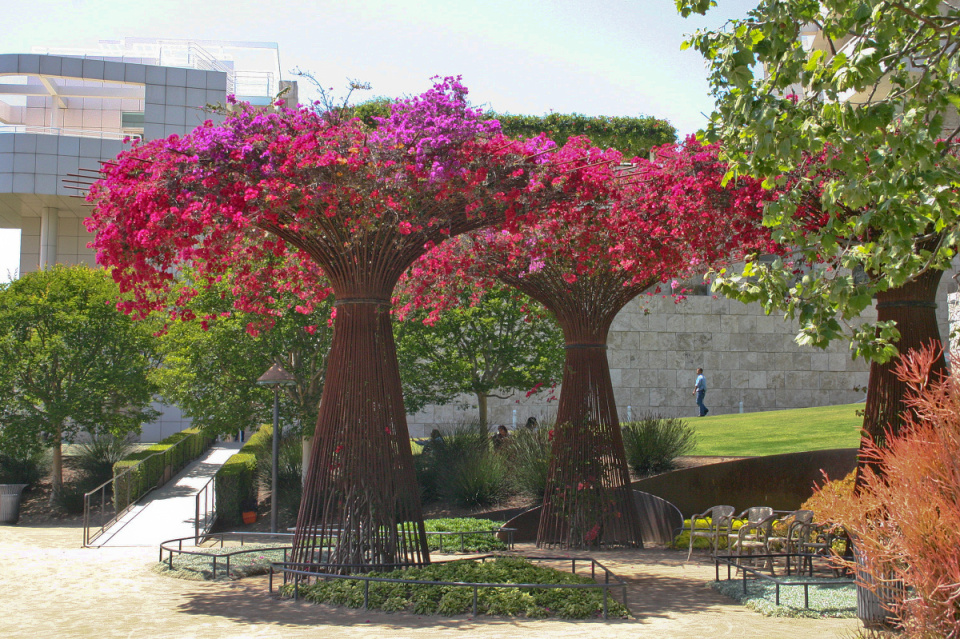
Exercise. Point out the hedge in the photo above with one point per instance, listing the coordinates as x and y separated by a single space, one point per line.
236 481
158 468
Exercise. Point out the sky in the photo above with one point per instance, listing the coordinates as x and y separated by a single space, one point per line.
615 57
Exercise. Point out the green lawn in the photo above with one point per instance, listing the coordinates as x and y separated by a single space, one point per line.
776 432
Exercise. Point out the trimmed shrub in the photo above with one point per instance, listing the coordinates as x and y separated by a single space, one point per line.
158 468
529 455
236 481
653 443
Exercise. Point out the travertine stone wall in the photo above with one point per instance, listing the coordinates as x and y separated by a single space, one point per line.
655 347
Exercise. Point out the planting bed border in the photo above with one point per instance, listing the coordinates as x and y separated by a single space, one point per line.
199 551
734 561
294 571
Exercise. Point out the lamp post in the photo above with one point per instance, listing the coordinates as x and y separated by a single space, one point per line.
276 377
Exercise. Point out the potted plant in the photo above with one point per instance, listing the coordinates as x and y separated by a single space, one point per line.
248 510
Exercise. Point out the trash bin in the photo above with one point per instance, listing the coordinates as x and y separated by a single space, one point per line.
10 502
874 608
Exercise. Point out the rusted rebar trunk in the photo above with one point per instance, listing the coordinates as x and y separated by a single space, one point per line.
588 501
361 492
913 307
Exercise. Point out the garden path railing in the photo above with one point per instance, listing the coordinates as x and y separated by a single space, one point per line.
206 509
133 484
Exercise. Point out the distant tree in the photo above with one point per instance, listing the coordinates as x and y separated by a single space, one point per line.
493 346
211 363
71 361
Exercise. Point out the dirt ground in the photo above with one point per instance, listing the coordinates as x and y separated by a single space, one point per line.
54 588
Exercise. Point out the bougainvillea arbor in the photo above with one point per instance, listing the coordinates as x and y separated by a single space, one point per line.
639 224
312 205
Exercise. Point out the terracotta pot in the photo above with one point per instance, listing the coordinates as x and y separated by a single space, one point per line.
249 517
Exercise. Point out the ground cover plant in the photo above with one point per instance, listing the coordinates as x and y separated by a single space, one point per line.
484 542
826 600
200 567
779 432
566 603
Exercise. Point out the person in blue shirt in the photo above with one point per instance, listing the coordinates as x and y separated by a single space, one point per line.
700 389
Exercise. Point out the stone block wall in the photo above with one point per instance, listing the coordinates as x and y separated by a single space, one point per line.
655 347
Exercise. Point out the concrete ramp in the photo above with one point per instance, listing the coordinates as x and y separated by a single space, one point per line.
169 512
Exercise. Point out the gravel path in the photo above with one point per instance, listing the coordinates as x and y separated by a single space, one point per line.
53 588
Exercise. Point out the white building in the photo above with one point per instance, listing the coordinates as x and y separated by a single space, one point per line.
63 112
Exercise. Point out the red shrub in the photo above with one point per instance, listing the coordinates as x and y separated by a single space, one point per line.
906 519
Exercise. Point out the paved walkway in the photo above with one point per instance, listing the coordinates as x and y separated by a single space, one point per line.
168 512
54 588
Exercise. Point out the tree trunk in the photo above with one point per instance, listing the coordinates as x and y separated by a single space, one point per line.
482 406
361 484
588 501
913 307
56 475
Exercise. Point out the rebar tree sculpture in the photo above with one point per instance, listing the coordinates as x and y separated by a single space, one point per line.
312 205
584 261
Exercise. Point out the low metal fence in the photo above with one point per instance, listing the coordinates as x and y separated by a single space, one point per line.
302 572
168 547
442 534
804 559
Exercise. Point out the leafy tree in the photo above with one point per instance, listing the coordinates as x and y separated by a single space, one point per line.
853 120
211 363
500 342
71 362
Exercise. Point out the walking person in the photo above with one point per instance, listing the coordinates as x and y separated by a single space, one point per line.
700 389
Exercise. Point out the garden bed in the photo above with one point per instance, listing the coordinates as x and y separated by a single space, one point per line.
826 599
208 563
503 586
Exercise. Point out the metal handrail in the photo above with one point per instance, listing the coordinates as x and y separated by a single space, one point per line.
311 573
206 515
88 537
